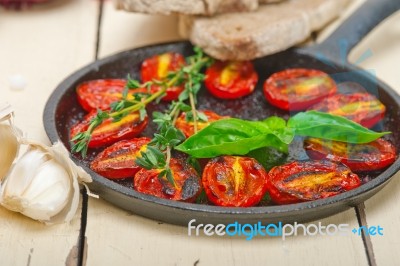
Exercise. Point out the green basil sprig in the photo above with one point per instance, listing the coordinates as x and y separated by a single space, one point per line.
238 137
331 127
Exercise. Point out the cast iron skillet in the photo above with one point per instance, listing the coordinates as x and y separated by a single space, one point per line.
62 110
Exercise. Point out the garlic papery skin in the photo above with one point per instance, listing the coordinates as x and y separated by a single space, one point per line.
43 184
9 147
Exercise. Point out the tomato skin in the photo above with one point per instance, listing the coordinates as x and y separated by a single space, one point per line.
118 160
110 132
372 156
187 127
100 93
231 79
362 108
301 181
157 67
187 181
298 88
233 181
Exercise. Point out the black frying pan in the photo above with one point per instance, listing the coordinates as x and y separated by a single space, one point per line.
62 110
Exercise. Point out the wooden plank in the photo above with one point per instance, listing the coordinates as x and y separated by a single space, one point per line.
383 209
42 45
133 240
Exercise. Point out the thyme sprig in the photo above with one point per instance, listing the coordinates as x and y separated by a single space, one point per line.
158 153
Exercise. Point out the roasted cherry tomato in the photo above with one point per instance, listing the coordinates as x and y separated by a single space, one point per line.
118 160
234 181
187 126
231 79
309 180
99 94
187 182
358 157
110 132
362 108
297 89
157 67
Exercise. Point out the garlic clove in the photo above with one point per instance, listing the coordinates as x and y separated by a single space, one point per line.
9 149
47 202
51 174
22 173
55 197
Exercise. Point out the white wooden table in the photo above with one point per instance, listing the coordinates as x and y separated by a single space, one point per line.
46 44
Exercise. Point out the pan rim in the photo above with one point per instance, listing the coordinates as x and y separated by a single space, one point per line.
52 133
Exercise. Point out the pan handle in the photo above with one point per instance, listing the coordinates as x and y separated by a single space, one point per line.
339 44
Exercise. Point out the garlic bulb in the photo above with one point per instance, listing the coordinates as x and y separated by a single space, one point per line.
43 184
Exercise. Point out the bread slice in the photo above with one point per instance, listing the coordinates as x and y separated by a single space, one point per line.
203 7
194 7
269 29
268 1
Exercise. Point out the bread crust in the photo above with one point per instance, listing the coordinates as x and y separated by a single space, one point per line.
194 7
270 29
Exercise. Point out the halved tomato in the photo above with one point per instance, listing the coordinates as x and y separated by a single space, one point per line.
358 157
118 160
362 108
100 93
187 127
309 180
297 89
234 181
231 79
187 182
110 132
157 68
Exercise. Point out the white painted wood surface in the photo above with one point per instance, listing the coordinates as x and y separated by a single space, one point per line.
383 209
117 237
61 38
43 45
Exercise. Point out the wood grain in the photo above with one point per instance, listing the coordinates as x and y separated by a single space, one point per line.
43 45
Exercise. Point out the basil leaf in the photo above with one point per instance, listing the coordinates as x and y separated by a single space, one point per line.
237 137
278 126
332 127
